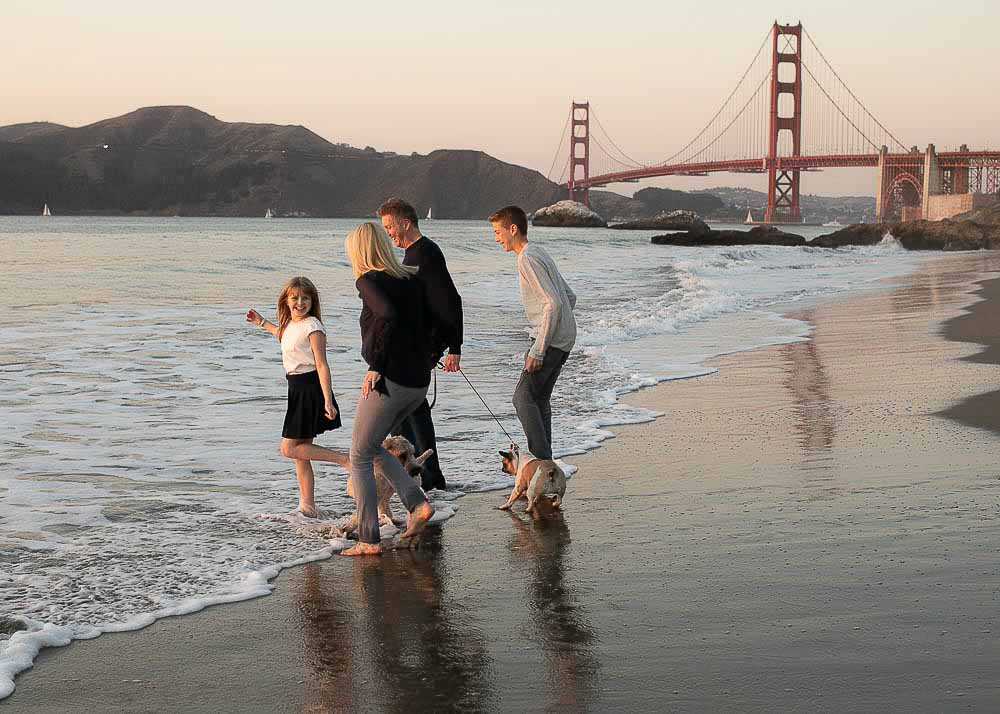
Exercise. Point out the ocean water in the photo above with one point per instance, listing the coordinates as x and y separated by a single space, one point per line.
141 415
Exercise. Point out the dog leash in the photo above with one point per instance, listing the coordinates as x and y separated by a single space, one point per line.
485 405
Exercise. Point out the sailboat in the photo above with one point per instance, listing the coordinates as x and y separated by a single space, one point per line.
430 211
269 214
46 211
749 216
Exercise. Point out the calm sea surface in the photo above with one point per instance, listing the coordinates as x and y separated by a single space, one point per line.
139 471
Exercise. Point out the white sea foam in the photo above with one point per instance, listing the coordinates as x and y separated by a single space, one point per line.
142 414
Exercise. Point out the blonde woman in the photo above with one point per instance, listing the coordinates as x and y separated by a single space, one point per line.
394 343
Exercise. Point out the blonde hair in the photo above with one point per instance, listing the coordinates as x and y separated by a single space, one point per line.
285 314
369 248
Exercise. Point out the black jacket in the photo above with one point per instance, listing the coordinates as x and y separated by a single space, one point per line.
394 338
443 300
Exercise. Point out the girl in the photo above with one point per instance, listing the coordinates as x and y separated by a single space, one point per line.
312 408
394 343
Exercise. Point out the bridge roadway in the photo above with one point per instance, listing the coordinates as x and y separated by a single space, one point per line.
946 160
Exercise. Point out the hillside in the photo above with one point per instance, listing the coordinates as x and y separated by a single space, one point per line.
167 160
815 209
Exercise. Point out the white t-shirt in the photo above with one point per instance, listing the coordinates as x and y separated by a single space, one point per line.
296 352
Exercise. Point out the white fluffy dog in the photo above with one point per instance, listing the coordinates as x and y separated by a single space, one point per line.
402 449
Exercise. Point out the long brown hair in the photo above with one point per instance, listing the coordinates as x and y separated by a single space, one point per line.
285 314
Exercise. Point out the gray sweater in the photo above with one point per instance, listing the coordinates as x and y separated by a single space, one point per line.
548 301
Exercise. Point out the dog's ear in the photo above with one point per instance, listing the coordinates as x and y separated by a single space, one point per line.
506 454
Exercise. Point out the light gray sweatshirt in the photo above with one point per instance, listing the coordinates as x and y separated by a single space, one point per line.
548 301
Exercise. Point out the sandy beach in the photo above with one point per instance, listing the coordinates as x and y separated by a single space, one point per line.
812 528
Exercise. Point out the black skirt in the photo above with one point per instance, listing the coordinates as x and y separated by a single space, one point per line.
305 417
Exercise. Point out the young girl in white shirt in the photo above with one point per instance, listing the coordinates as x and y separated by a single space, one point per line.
312 408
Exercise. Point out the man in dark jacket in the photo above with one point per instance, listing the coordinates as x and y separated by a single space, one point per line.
445 306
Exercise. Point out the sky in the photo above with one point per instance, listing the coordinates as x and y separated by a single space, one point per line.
405 76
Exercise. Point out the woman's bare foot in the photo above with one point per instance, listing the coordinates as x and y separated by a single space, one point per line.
309 511
417 520
364 549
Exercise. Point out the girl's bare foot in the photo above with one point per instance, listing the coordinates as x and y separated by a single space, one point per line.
364 549
417 520
309 511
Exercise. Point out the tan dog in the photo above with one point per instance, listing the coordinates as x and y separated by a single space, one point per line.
403 450
540 480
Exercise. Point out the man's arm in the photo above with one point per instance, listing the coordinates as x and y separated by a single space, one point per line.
443 299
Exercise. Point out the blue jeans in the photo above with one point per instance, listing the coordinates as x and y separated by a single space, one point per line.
377 415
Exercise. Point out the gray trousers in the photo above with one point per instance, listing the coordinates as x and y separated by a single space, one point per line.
531 402
377 415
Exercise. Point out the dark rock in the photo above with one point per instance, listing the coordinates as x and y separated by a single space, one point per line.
567 214
917 235
988 215
10 625
758 235
674 221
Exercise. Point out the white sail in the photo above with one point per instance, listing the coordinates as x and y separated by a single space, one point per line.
749 216
429 212
46 211
269 214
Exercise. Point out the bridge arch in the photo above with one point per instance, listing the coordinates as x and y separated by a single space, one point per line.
906 191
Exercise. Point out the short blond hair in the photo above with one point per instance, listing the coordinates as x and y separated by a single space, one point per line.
369 248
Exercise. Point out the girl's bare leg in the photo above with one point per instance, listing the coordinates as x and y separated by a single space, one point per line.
305 450
307 480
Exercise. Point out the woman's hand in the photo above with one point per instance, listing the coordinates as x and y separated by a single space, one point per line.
371 379
254 316
330 410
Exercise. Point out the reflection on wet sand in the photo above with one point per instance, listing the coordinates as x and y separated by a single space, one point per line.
561 626
391 643
808 384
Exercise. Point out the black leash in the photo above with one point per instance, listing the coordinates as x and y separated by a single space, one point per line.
484 404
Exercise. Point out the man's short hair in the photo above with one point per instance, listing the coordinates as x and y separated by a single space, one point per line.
398 208
511 216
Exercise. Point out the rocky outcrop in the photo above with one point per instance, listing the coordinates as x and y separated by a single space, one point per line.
673 221
758 235
988 215
568 214
918 235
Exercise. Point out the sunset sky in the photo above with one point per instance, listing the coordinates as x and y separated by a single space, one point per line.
462 74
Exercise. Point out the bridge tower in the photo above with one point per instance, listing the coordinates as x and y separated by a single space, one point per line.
783 184
579 152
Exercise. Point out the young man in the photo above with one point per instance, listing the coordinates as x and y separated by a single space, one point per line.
400 221
548 303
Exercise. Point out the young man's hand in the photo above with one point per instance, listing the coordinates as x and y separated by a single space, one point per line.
531 364
452 363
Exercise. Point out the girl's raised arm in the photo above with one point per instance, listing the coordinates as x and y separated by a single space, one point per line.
258 319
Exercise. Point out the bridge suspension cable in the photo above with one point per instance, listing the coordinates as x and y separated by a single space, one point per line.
711 121
861 104
559 148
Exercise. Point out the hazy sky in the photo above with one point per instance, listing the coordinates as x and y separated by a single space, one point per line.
406 76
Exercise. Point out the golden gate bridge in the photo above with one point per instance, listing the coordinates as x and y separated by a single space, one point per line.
762 128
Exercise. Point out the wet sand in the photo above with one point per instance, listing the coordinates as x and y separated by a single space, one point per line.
813 528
